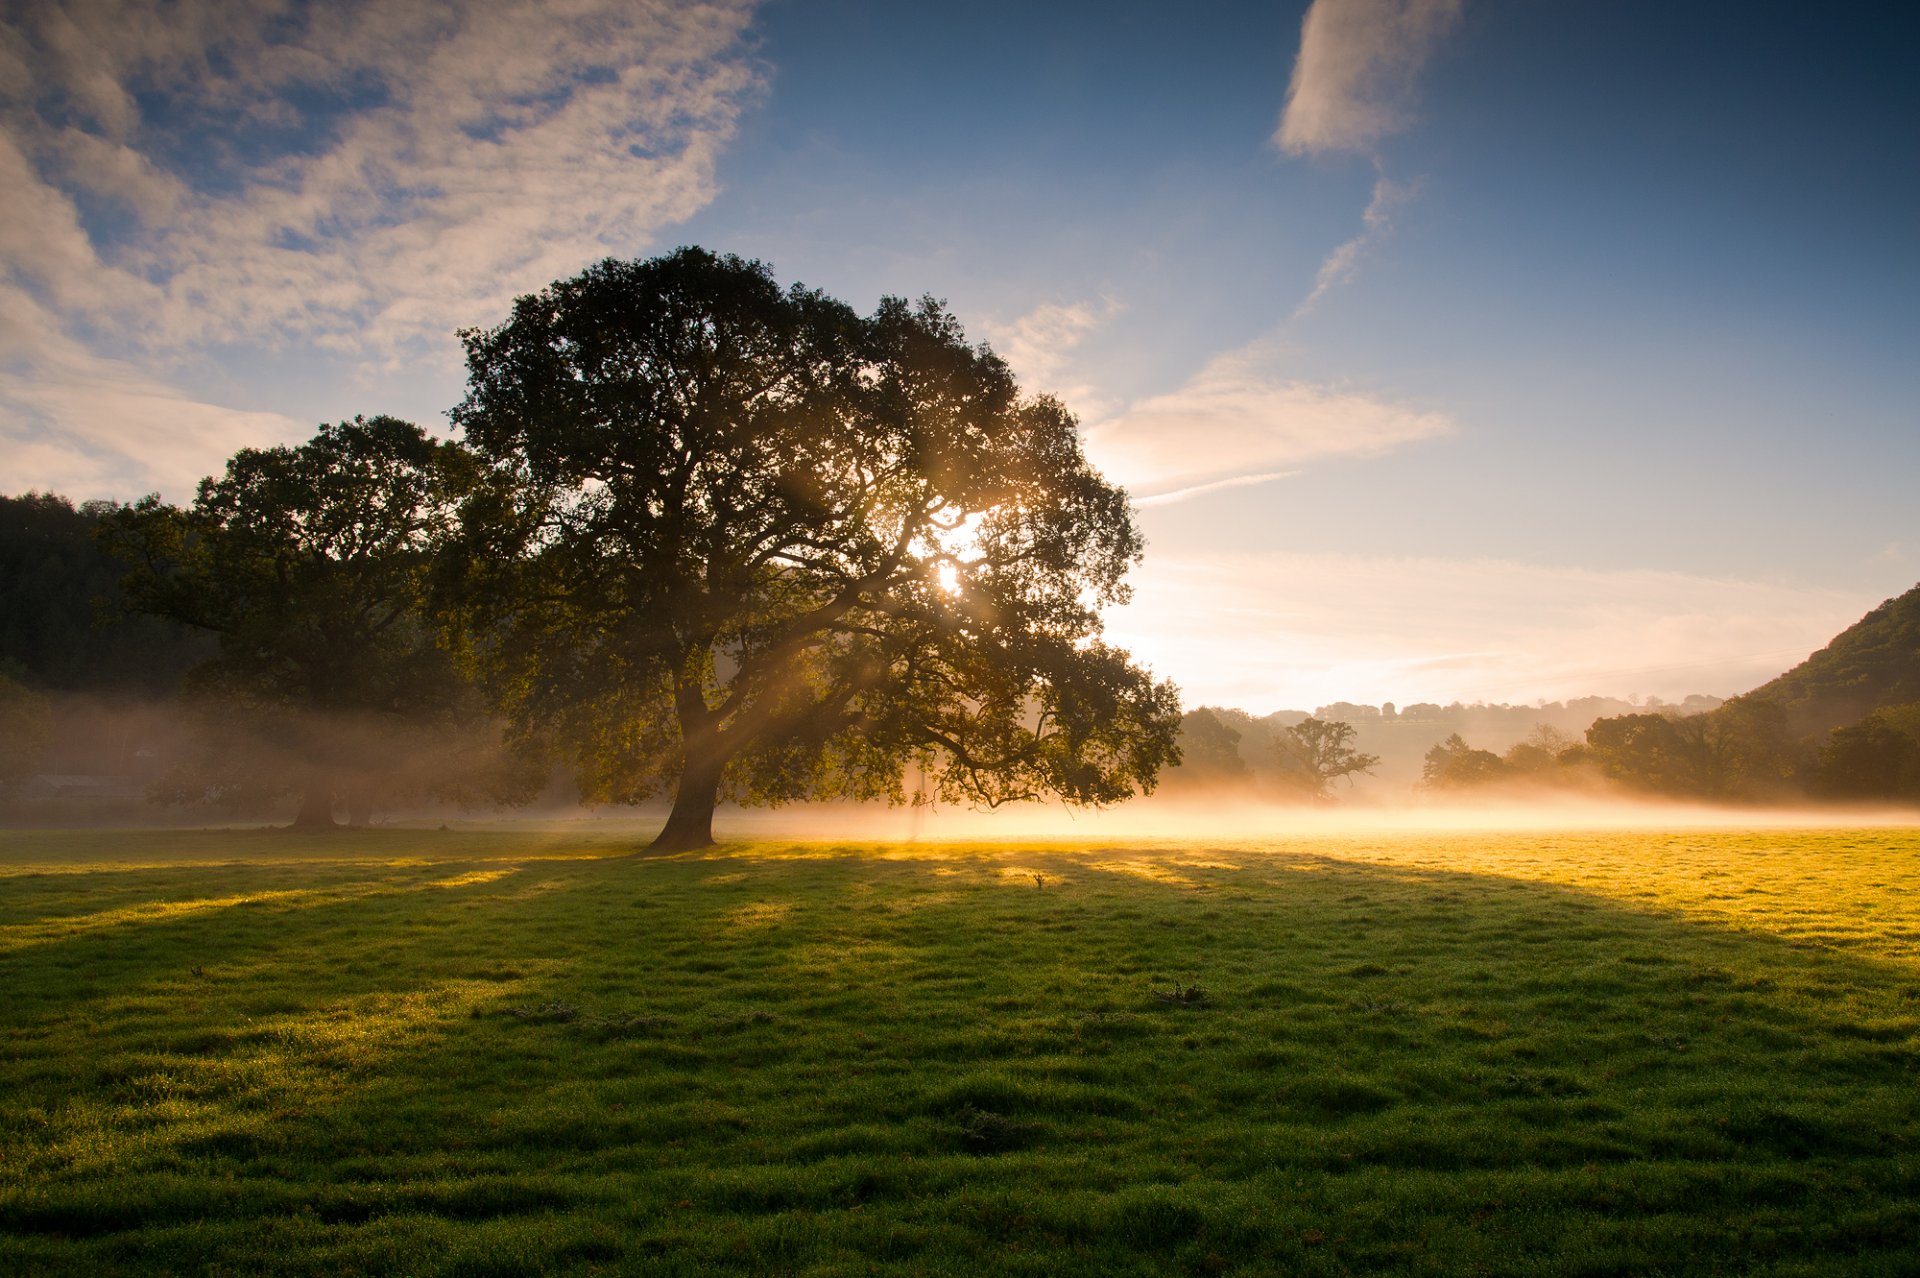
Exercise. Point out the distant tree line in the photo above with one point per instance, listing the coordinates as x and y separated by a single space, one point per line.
1844 726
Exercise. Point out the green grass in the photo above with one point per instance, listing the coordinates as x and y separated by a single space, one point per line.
487 1052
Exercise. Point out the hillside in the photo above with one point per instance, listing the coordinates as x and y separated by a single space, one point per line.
1874 662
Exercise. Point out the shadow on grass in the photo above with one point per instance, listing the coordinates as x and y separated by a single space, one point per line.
967 1062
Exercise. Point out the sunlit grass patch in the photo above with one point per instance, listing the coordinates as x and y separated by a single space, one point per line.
1511 1053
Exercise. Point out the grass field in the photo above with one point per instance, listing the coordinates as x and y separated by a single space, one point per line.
494 1052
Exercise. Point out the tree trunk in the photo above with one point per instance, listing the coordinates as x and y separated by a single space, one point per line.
690 825
316 807
359 809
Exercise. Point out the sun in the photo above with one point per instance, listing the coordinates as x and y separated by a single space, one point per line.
953 549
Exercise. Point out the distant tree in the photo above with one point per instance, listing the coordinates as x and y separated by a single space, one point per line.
312 565
26 725
1528 759
1315 753
1660 753
1539 755
1877 758
1455 765
767 548
1549 740
1746 751
1209 749
1901 718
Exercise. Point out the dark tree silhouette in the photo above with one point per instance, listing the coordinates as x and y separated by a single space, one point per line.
1315 753
763 546
64 625
311 565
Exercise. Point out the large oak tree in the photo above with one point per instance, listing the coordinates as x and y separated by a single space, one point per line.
765 547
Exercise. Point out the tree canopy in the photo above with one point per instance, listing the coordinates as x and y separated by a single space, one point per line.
311 564
762 546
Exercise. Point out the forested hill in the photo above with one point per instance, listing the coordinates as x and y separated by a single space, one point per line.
1873 663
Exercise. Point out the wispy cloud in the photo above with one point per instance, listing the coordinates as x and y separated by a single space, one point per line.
1274 630
356 178
1354 78
1218 485
1039 346
1241 420
1340 264
75 422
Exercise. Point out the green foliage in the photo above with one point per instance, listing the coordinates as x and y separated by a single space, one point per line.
1315 753
761 544
1740 751
1750 752
430 1053
1658 753
1876 758
313 565
1766 745
64 624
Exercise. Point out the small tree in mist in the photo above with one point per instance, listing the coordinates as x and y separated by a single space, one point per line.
766 547
1209 748
1315 753
1455 765
26 726
312 565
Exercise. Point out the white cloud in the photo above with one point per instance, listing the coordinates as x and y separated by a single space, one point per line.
356 178
86 425
1268 631
1239 419
1354 77
1039 346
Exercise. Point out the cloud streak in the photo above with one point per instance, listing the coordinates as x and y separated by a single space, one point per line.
1240 420
1353 81
1375 222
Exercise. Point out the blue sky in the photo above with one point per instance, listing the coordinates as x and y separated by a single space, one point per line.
1455 348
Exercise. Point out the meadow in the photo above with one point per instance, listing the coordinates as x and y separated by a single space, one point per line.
501 1051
